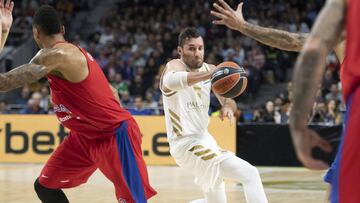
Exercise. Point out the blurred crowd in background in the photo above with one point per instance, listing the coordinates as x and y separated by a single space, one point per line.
135 38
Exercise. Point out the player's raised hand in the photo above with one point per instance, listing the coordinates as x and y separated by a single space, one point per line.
227 16
304 142
6 14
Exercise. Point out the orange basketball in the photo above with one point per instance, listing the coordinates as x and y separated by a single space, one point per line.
229 80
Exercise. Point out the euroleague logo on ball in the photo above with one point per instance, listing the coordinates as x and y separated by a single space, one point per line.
229 80
220 72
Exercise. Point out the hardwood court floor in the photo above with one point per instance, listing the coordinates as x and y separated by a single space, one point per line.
282 185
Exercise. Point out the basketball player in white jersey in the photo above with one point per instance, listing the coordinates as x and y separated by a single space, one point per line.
186 87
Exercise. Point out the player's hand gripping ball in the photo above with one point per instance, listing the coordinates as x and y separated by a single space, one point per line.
229 80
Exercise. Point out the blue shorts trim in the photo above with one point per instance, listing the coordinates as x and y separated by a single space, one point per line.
129 164
333 174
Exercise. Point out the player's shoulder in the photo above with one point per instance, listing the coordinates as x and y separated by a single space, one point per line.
175 65
47 55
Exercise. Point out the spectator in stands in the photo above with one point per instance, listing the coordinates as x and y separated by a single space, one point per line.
45 102
258 116
149 101
4 107
33 106
125 99
155 88
328 81
254 78
333 117
319 112
106 36
278 102
285 111
140 107
119 84
269 115
318 95
24 96
137 87
79 42
103 60
334 94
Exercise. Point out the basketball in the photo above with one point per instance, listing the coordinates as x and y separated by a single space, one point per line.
229 80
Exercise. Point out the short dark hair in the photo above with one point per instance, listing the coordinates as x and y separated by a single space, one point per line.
187 33
48 20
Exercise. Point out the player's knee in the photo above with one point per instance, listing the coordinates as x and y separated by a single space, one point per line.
47 195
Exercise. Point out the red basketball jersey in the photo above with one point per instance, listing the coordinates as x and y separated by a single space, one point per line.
87 107
351 71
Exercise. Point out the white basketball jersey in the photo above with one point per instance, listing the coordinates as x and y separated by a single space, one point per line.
187 110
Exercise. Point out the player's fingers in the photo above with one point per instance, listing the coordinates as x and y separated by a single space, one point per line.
217 14
221 115
324 145
219 8
311 163
1 3
225 5
11 6
218 22
231 118
316 164
7 4
229 114
239 7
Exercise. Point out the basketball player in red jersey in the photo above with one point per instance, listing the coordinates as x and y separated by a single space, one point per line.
308 73
275 38
102 134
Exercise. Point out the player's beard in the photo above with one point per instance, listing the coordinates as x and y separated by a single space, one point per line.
194 64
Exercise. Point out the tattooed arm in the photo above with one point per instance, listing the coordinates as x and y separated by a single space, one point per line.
275 38
272 37
28 73
22 75
308 73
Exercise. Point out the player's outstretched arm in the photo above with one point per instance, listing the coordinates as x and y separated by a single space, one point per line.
22 75
272 37
308 73
36 69
176 77
6 20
